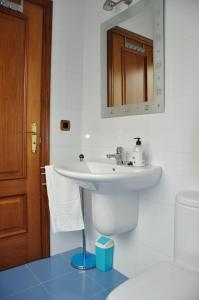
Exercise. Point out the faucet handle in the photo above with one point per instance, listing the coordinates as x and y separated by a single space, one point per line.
119 150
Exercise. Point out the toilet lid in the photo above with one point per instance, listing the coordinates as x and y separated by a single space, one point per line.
163 281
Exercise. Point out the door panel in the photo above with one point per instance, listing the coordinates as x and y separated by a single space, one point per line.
13 251
134 79
21 58
116 83
12 96
13 215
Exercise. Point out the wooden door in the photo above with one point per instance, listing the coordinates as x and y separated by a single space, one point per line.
22 76
134 76
129 67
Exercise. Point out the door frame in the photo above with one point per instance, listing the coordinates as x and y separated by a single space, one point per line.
45 120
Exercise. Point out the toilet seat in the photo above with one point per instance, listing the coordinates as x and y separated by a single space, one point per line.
164 281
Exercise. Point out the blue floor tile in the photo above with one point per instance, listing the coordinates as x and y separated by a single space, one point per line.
35 293
100 296
109 279
75 286
70 253
52 267
15 280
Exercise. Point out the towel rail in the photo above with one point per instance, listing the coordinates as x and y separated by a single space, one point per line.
83 260
43 173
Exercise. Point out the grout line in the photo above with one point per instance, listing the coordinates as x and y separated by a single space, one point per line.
46 290
152 151
22 291
58 276
195 94
80 272
64 258
183 39
67 256
97 294
166 256
106 288
34 275
53 278
93 279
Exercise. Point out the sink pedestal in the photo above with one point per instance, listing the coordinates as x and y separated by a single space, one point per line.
115 213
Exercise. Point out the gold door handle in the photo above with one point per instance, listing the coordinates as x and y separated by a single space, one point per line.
34 137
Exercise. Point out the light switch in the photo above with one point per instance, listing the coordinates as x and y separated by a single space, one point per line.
65 125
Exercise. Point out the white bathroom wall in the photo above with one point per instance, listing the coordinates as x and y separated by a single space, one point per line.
171 137
66 93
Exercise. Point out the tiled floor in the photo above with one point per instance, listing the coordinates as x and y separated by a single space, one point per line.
54 279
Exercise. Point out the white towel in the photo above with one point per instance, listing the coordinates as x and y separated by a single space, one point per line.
64 202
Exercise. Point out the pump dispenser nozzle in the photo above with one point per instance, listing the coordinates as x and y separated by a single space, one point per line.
138 142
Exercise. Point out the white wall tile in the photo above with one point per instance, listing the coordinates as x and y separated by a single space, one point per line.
155 226
61 154
182 19
185 126
182 67
66 138
138 256
64 241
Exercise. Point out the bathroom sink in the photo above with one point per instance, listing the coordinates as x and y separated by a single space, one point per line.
102 176
115 188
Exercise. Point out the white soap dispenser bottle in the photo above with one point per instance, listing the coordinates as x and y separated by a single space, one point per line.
138 154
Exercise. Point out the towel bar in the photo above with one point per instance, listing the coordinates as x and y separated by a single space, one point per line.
43 173
83 260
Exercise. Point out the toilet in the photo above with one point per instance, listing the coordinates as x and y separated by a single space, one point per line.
171 281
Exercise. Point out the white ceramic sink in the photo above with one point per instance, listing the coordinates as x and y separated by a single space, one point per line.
114 191
103 176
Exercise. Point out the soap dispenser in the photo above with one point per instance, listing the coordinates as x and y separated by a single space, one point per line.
138 154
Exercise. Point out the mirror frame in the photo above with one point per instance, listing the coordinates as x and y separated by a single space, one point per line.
158 104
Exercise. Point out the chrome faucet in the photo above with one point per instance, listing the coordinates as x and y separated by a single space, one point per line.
118 155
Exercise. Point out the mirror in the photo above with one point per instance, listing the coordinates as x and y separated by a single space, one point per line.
132 61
